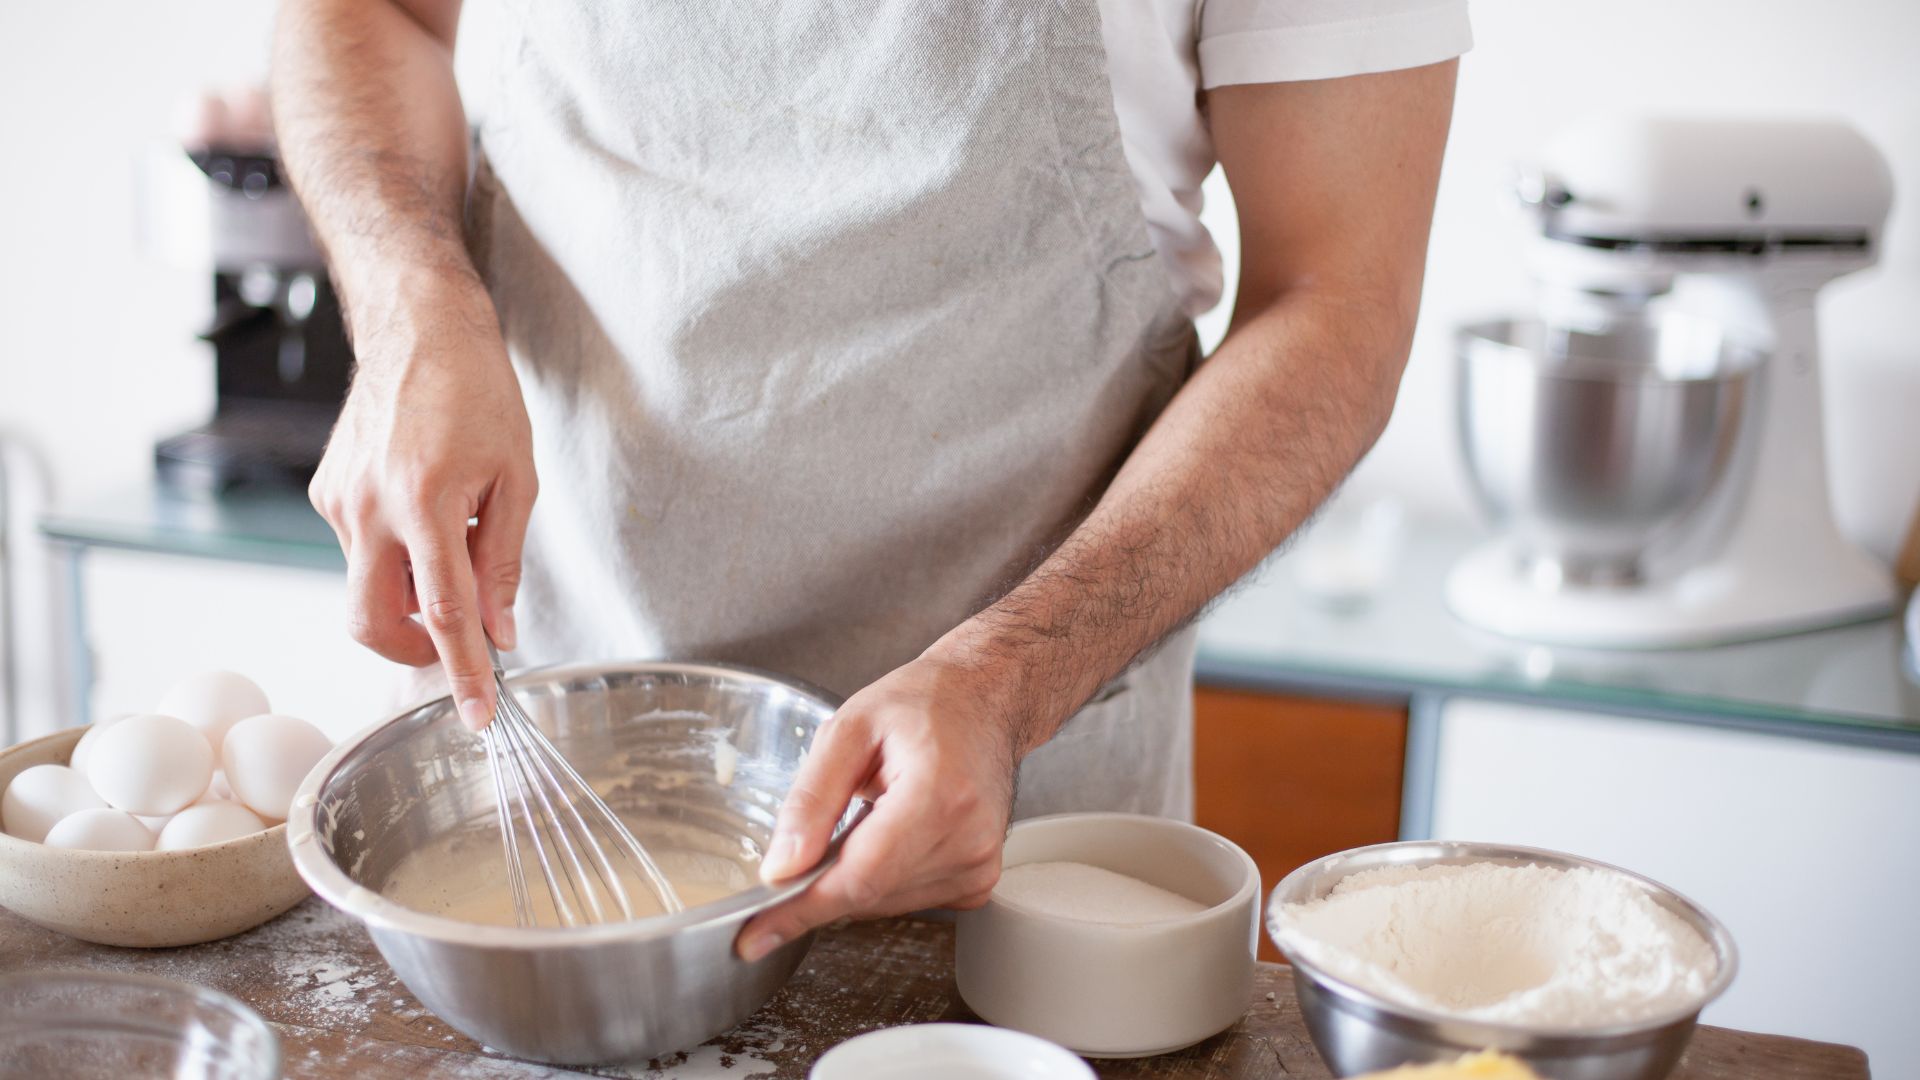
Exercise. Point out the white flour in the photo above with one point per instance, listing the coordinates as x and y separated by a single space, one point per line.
1073 890
1514 944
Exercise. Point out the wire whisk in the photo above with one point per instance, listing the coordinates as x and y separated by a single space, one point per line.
584 853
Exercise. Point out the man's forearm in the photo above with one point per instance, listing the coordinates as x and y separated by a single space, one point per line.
1334 181
1262 433
372 133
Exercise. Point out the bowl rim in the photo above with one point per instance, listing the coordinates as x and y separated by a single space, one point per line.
970 1039
1481 337
331 883
8 840
1249 887
205 996
1718 937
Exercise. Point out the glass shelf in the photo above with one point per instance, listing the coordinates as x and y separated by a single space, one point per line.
276 527
1406 641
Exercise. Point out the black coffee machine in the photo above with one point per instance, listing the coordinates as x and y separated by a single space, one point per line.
281 359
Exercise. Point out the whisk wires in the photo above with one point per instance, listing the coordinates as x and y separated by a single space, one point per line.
573 838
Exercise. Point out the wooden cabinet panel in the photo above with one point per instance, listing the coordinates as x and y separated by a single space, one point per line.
1291 778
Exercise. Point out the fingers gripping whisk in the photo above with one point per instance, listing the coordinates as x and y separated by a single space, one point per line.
557 829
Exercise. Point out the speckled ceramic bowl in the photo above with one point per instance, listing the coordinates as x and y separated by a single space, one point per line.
143 899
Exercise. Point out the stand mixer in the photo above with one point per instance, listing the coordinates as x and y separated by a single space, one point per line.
1650 443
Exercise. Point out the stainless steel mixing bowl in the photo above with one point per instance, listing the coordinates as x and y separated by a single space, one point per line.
1589 448
647 736
1357 1031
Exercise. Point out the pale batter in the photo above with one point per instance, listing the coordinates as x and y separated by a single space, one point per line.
465 878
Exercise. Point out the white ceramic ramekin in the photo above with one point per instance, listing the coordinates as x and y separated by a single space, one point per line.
948 1052
1105 990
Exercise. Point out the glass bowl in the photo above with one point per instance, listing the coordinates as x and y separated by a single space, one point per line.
83 1025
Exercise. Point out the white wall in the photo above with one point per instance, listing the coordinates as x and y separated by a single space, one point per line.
1537 64
97 357
97 354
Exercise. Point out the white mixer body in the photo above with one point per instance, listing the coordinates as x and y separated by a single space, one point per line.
1741 222
1639 177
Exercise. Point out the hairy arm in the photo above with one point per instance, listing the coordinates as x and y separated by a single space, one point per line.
433 432
371 128
1334 181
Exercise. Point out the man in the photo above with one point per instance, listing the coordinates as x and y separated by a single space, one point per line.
853 341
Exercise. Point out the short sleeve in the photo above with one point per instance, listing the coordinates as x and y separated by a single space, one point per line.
1256 41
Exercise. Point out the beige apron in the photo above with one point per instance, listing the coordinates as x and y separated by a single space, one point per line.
832 317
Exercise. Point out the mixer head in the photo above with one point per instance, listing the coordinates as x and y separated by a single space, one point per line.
1622 204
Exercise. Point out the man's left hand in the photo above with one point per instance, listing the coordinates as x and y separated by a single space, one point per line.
936 757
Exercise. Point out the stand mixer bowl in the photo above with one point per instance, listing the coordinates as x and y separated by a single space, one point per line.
1592 447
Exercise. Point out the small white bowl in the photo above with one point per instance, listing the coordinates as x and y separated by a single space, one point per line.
948 1052
143 899
1104 990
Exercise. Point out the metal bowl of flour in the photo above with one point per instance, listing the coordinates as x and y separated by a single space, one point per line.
694 757
1357 1031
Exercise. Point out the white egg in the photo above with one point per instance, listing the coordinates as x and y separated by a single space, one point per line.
152 765
40 796
217 791
266 757
208 823
100 830
214 701
78 759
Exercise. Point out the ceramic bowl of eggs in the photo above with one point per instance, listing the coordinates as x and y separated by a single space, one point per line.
157 829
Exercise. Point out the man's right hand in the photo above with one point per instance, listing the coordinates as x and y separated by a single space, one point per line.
434 433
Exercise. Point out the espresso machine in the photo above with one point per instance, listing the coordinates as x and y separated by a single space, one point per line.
280 355
1648 444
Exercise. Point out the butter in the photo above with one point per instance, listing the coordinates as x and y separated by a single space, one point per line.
1486 1065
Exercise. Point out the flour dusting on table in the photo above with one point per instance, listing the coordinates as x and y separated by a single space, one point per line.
742 1053
328 977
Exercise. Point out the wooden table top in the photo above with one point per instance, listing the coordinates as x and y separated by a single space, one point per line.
316 977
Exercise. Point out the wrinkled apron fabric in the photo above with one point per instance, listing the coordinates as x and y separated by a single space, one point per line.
832 318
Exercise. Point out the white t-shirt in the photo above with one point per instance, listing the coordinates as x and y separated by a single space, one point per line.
1162 53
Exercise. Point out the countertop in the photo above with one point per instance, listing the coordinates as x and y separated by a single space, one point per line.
315 976
1846 683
